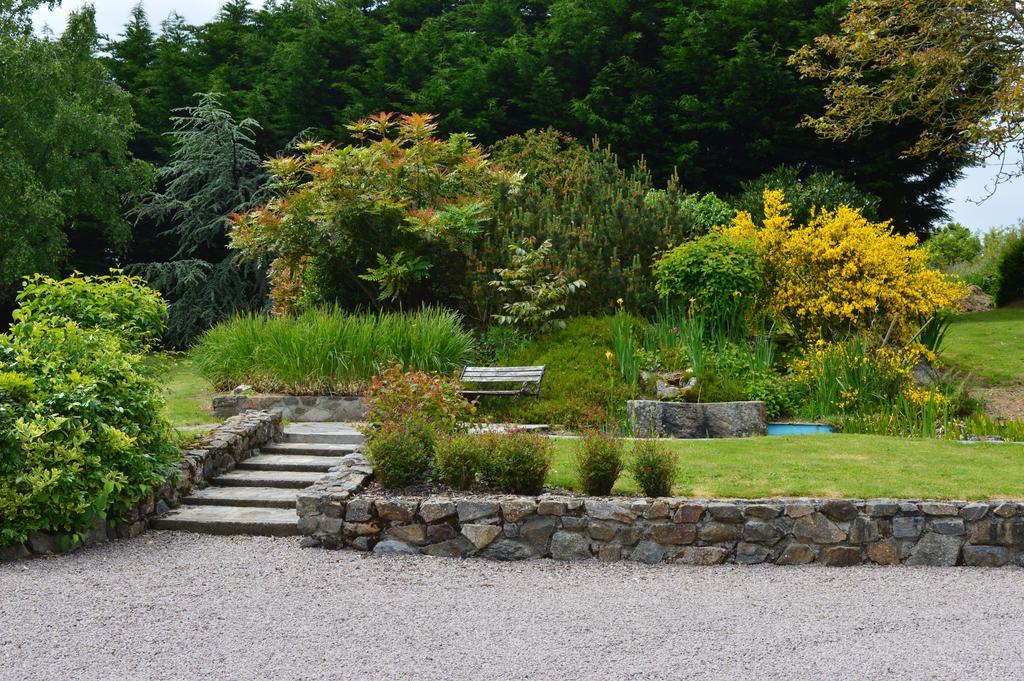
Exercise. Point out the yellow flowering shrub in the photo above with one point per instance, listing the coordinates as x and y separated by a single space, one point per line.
841 273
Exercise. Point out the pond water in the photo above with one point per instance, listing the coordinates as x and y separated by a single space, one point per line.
799 428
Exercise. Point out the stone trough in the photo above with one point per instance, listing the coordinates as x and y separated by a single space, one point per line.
653 418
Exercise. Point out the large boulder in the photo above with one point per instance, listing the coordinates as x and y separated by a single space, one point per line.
651 418
976 300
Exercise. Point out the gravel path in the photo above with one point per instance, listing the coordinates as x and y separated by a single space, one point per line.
177 606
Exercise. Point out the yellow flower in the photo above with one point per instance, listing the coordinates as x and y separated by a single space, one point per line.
608 355
620 301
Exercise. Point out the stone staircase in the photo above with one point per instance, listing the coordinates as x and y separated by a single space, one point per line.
258 497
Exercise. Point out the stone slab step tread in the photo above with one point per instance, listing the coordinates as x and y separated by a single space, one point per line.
325 438
264 522
288 462
309 448
262 497
324 433
293 479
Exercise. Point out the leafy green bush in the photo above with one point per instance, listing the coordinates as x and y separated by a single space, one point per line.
598 215
654 467
515 462
715 275
952 244
329 351
396 396
124 306
534 297
401 453
599 461
457 459
1011 273
81 430
780 394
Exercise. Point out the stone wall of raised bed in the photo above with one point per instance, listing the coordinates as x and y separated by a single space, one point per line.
299 408
217 452
676 530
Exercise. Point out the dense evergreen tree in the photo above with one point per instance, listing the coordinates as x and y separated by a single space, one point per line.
213 172
701 86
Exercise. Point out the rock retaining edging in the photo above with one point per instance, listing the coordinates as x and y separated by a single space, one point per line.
299 408
833 532
217 452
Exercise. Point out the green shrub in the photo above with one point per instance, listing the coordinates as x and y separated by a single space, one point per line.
401 453
952 244
457 460
780 394
654 467
81 431
515 462
121 305
396 396
599 460
329 351
1011 273
604 226
983 271
716 275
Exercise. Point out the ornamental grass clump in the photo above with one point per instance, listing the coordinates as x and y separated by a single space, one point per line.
654 467
328 351
599 461
515 462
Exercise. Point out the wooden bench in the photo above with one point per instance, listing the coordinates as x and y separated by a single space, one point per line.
528 379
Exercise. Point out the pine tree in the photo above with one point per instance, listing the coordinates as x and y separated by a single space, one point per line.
214 171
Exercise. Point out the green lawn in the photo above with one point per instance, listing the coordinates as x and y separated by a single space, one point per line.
186 392
989 344
831 466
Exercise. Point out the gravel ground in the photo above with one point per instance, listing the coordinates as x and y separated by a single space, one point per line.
178 606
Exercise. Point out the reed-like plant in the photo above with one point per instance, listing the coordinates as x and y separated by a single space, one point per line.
328 351
625 343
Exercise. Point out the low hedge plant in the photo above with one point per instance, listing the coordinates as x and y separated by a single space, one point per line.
515 462
599 460
654 467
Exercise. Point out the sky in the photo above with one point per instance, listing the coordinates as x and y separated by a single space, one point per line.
1005 207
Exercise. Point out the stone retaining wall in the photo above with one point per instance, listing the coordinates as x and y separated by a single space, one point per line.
217 452
301 408
835 532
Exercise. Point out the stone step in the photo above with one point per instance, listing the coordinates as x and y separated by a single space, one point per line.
309 448
323 433
288 462
265 522
290 479
256 497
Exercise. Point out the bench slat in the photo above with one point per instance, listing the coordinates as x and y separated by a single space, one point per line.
529 378
524 374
